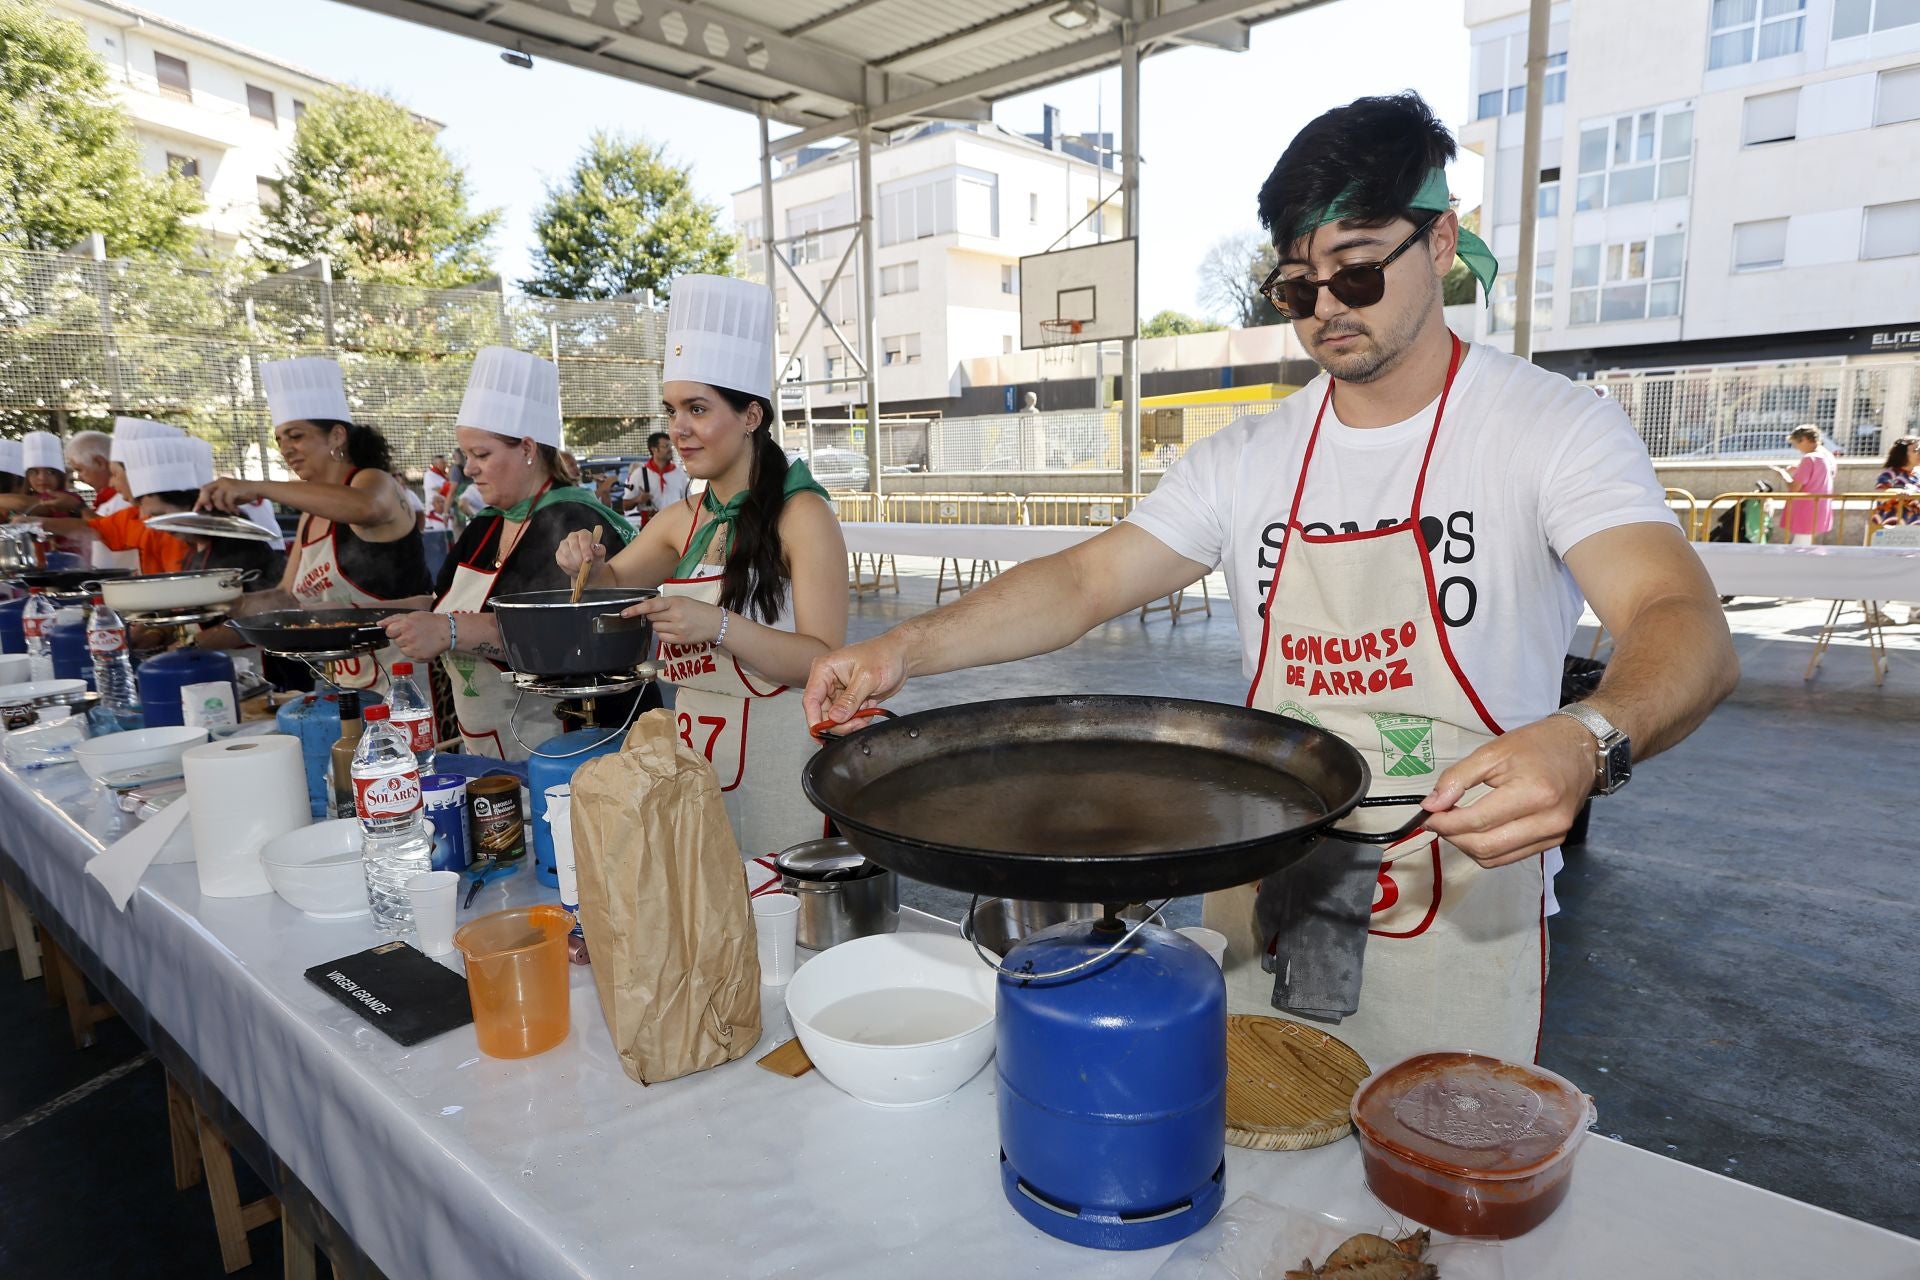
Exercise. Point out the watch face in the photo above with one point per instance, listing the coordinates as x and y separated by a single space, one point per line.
1619 763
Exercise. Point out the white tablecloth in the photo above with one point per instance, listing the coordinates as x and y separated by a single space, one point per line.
442 1162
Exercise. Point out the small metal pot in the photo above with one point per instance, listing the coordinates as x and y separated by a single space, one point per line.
546 634
998 923
842 895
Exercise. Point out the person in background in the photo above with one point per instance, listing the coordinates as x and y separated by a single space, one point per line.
656 484
88 457
1899 477
434 486
1813 474
44 462
13 470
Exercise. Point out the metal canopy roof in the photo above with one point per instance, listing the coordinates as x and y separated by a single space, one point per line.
829 66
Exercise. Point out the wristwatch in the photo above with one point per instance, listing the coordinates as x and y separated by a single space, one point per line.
1615 764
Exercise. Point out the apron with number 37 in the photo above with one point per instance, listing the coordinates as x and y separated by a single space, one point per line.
752 731
1354 642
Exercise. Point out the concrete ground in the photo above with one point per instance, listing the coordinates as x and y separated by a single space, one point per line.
1734 972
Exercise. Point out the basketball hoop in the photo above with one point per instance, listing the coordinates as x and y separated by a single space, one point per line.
1058 338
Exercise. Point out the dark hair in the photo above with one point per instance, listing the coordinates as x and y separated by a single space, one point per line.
1904 449
560 465
1374 151
184 499
755 578
10 483
366 447
655 438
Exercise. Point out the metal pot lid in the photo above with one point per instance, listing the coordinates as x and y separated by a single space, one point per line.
834 859
592 599
209 525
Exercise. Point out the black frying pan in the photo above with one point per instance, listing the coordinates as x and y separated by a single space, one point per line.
300 631
1091 798
68 579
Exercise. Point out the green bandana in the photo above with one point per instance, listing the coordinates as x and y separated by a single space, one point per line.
799 480
1432 197
616 523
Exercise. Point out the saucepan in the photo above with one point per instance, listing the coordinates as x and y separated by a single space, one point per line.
1093 797
547 633
312 632
166 592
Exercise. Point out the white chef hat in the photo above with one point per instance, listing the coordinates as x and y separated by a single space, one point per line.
13 459
308 389
127 430
720 332
511 393
44 449
165 464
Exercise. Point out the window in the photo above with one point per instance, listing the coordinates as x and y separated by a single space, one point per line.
751 231
299 110
805 244
904 278
1644 156
1009 278
1892 231
1503 304
978 197
915 209
260 104
1753 30
1760 246
1548 205
901 349
842 300
185 166
1857 17
171 72
1033 207
1500 73
1006 344
1628 280
1770 117
266 194
1898 96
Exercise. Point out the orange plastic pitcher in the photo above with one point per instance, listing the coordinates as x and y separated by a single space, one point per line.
517 979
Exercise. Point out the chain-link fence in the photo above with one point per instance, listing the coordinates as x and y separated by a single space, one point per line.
1738 413
82 340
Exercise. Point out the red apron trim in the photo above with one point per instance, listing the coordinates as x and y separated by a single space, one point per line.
1359 535
1433 908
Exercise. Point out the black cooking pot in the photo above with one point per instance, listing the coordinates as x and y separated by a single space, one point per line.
546 634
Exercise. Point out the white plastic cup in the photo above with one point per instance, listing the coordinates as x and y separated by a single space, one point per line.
776 927
432 894
1212 941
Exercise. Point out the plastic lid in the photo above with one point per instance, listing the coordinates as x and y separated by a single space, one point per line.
1469 1115
99 599
375 712
821 860
403 668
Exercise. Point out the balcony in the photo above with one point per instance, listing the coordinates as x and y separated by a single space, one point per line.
203 120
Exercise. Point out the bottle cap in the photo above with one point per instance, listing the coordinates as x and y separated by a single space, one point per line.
375 712
403 668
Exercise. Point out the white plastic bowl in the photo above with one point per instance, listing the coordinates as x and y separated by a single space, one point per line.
317 869
41 693
137 748
947 1049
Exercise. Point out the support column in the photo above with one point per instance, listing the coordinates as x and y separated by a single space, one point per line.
1130 188
771 266
1538 20
869 295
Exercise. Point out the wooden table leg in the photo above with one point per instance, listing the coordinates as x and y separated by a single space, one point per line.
231 1219
183 1129
297 1249
24 938
82 1013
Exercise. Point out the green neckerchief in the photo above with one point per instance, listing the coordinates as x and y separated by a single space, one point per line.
799 480
1432 197
616 523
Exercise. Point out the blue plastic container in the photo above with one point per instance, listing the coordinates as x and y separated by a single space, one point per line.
1113 1087
71 659
163 676
549 766
13 637
315 720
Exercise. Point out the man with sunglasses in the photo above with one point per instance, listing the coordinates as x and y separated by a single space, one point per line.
1407 542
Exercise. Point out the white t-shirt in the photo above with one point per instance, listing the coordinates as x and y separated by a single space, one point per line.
262 514
1527 465
649 491
431 486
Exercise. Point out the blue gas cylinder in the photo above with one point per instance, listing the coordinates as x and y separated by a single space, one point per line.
551 764
314 719
1113 1086
162 678
71 658
13 636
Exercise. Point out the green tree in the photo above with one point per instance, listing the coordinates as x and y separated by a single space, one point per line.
368 185
69 165
625 219
1168 323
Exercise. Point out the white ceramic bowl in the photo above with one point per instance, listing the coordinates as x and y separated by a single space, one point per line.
136 748
897 1019
41 693
317 869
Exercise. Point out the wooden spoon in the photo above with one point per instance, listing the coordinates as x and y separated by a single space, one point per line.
586 567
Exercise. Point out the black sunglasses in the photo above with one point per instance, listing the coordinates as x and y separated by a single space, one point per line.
1356 286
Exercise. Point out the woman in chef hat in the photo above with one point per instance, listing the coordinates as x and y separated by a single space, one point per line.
43 462
358 545
752 570
13 469
509 430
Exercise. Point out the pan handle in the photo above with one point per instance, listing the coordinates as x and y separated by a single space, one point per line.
618 623
1385 837
821 731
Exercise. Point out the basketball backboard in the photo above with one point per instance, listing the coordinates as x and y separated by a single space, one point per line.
1094 286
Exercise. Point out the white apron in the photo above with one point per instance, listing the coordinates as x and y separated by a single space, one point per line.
320 583
1354 643
752 731
484 705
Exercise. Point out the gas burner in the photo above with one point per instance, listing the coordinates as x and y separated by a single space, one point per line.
180 617
581 686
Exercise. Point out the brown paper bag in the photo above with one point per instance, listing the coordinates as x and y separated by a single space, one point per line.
663 904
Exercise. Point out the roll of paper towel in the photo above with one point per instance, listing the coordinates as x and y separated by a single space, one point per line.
242 792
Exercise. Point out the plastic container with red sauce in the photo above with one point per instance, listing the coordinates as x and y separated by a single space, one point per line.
1470 1145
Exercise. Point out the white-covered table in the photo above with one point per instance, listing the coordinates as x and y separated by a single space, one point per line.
441 1162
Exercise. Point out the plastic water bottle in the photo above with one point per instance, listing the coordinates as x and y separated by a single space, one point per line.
395 841
36 619
112 668
412 714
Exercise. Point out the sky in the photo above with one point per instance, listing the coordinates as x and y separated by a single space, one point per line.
1212 125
